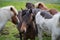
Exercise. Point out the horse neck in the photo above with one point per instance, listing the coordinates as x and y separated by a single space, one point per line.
9 14
4 17
56 20
39 18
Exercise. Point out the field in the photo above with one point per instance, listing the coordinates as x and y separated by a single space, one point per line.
10 29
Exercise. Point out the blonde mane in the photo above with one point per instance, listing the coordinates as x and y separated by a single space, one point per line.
9 7
36 5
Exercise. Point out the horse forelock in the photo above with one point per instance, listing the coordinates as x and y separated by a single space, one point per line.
10 8
36 5
14 10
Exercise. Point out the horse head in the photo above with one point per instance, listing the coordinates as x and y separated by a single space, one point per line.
30 5
27 20
14 18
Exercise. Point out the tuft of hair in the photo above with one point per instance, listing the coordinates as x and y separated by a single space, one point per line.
11 8
36 5
40 3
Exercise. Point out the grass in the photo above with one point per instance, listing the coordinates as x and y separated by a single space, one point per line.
11 28
18 5
55 6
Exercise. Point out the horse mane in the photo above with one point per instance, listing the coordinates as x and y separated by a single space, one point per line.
11 8
41 3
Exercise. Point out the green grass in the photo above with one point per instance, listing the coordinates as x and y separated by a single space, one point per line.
12 30
55 6
18 5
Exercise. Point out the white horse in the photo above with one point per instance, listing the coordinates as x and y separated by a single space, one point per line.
51 26
7 13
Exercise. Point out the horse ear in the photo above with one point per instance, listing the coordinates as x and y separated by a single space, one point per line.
11 9
30 11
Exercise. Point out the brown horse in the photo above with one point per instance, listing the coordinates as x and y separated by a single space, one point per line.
26 25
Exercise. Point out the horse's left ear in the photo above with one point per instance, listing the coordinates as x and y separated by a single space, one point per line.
12 9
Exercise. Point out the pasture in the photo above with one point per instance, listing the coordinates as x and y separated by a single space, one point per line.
10 29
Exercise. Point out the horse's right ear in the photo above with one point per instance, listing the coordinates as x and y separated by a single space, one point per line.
13 10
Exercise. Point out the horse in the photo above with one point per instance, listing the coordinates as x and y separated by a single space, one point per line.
51 26
7 13
26 25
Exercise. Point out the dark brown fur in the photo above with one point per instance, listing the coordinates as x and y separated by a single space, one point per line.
27 25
